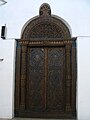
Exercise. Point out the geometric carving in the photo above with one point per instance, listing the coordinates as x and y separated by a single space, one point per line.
46 26
45 30
36 78
55 82
54 79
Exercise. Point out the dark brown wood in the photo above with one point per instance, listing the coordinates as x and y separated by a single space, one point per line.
74 75
17 81
23 76
45 83
68 77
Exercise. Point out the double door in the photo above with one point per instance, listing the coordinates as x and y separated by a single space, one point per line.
45 79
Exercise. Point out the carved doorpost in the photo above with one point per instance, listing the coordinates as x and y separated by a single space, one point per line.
23 75
68 76
17 81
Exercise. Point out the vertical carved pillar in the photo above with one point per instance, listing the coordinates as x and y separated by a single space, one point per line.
68 77
17 81
74 75
23 76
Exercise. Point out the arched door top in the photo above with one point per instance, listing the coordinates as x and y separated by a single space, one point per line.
46 25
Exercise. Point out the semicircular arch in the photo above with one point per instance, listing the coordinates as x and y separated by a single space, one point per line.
46 25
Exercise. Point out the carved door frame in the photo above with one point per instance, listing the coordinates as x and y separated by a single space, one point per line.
70 78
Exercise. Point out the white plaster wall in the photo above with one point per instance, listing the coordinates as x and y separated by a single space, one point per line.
83 82
7 73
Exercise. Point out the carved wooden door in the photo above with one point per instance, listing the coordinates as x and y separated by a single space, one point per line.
45 79
45 84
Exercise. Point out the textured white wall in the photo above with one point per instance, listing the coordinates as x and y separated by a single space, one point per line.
7 73
83 91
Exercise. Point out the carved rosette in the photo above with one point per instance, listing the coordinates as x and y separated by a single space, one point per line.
45 9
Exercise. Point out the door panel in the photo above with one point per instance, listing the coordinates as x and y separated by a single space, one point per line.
55 79
36 73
